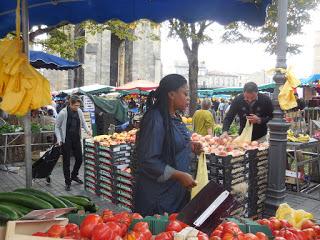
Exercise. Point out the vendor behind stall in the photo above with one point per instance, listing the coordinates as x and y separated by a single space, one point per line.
163 177
251 105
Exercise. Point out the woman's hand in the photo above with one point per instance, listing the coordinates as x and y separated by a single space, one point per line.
196 147
185 179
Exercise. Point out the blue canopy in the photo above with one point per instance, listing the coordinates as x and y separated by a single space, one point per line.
311 79
49 12
40 59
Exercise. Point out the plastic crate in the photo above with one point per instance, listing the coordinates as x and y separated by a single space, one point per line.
240 212
230 184
263 154
107 198
89 167
125 194
106 187
156 224
124 187
90 150
116 148
225 161
249 226
106 192
91 190
105 161
89 143
125 207
105 173
90 179
233 170
105 155
90 162
89 156
106 167
90 184
123 173
125 201
105 181
90 173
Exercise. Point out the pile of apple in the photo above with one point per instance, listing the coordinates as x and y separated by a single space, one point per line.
224 145
116 138
283 230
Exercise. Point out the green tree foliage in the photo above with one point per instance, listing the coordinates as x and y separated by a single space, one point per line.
193 35
61 39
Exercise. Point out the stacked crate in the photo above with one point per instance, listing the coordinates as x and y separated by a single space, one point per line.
115 184
105 172
258 181
228 171
90 167
231 172
124 183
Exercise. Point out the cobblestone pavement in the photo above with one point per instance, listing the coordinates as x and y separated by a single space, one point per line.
10 181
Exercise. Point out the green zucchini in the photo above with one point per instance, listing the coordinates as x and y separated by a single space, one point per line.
79 200
24 210
93 208
48 197
12 215
71 204
25 200
82 196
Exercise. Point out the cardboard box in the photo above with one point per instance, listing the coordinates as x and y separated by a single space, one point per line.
23 230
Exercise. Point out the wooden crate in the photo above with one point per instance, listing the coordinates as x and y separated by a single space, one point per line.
23 230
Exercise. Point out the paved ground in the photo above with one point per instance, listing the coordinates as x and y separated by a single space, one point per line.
11 181
305 202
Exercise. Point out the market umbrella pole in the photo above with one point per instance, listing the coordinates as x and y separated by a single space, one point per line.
277 126
27 118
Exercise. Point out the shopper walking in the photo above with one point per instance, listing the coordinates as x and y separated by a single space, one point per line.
203 121
68 132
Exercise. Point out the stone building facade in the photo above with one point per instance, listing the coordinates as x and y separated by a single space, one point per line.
108 60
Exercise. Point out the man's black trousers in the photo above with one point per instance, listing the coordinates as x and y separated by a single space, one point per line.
72 144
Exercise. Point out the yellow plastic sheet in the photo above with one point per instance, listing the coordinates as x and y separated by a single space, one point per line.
202 175
294 217
286 96
21 87
246 134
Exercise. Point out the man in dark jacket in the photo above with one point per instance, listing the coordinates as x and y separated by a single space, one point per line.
251 105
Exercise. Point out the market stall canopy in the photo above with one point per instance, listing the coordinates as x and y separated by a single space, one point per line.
114 107
134 92
50 13
311 79
39 59
233 90
90 89
141 85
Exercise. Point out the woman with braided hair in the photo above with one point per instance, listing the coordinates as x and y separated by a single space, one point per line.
164 152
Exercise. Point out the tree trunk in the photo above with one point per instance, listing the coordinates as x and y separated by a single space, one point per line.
193 81
114 59
79 57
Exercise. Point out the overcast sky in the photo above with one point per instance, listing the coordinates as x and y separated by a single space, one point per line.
241 57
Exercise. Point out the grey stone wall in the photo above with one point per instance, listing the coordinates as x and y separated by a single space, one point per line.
146 55
141 60
97 59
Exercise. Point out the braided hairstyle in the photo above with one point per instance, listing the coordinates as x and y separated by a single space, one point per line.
159 100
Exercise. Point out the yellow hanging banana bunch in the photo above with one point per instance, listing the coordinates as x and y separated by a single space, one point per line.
21 86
